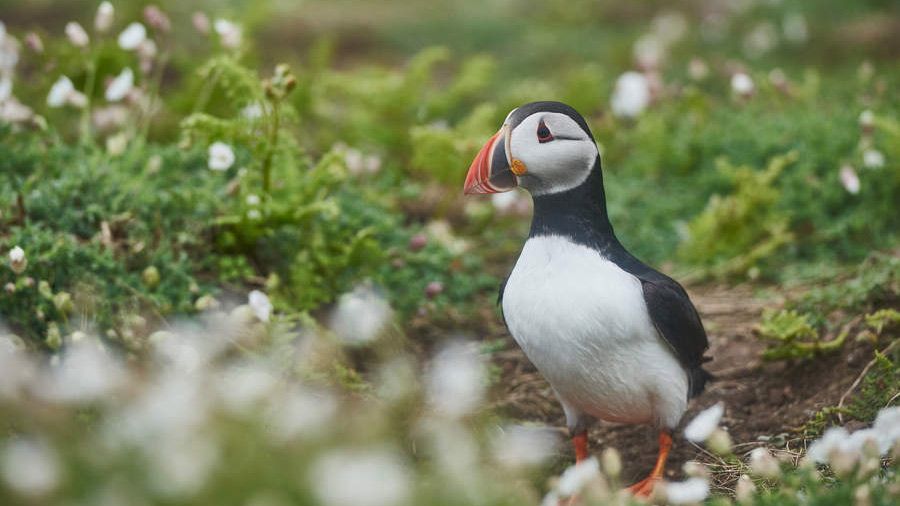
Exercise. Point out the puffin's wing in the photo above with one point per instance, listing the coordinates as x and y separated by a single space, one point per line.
676 319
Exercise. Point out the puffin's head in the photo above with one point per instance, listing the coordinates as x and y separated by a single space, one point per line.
544 147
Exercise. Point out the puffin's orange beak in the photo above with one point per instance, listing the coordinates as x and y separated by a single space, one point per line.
490 171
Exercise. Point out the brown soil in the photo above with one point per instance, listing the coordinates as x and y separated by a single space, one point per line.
761 398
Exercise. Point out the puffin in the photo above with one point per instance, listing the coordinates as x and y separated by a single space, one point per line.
617 340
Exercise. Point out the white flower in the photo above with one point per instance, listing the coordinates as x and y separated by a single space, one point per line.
697 69
648 51
703 425
795 28
254 214
300 412
821 449
760 40
887 428
360 315
456 380
365 477
229 33
631 95
76 34
17 260
692 490
576 477
132 36
30 467
764 464
744 490
242 386
504 201
120 86
5 87
849 179
521 445
86 373
260 305
742 84
60 92
13 111
116 144
867 119
221 156
873 159
252 111
104 18
252 200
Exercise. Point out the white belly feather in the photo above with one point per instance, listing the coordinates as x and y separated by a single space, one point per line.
583 322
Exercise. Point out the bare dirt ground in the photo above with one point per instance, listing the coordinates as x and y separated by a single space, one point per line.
761 398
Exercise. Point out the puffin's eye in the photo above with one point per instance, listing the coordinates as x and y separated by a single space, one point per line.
543 133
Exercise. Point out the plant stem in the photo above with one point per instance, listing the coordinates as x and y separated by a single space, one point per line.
273 143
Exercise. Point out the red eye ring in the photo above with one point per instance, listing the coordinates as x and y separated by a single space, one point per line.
543 133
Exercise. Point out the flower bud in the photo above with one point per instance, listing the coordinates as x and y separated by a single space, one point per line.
719 442
150 276
76 34
763 464
744 490
612 462
104 18
17 260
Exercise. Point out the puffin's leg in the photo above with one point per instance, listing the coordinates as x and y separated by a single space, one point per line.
645 487
580 442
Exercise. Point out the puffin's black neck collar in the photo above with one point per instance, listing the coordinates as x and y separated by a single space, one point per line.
578 214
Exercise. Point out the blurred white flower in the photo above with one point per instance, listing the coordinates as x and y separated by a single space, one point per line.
504 201
521 445
360 315
887 428
60 92
104 18
181 465
260 304
5 87
795 28
763 464
849 179
361 477
692 490
120 86
9 52
703 425
820 450
76 34
577 476
252 111
17 260
867 119
697 69
221 156
109 117
229 33
670 26
34 42
132 36
649 51
252 200
631 95
760 40
254 214
300 412
116 144
242 386
30 467
744 490
456 380
200 22
85 373
742 84
873 159
13 111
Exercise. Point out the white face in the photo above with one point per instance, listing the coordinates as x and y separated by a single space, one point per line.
557 153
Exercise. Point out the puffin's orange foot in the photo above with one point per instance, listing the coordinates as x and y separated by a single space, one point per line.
644 487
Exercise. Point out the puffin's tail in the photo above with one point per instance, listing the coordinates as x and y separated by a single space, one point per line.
697 378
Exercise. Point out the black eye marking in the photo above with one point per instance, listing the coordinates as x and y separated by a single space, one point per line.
543 133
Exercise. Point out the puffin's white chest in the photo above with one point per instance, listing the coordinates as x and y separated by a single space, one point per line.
583 322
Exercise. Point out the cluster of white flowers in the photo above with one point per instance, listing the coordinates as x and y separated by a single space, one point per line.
360 315
456 380
838 444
